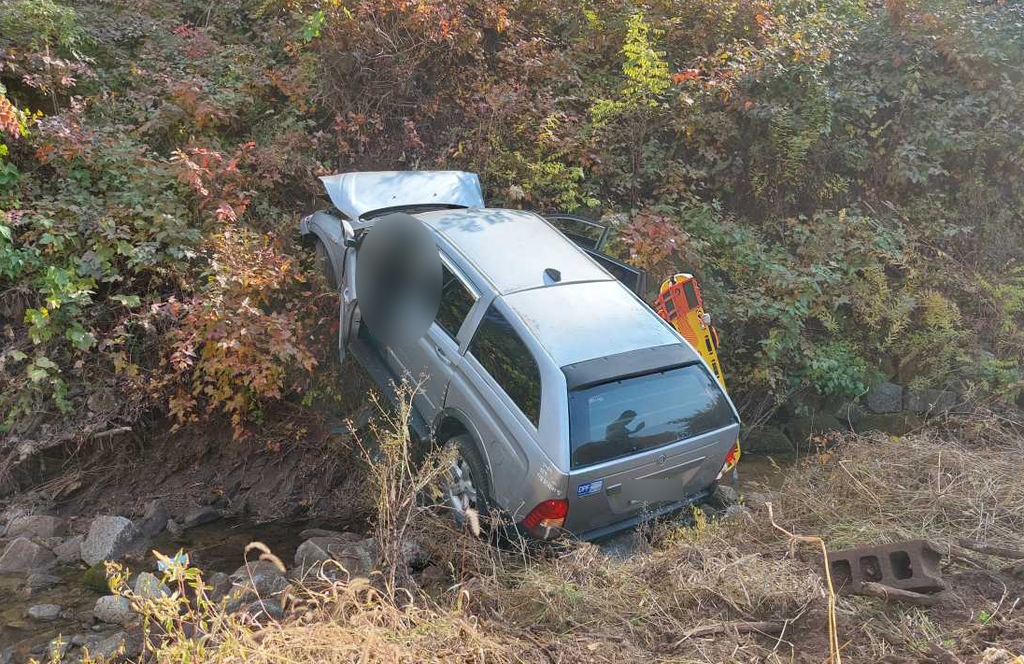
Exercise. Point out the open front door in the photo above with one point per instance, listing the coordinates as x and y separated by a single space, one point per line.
589 236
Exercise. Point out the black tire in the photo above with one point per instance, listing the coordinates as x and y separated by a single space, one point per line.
324 265
467 457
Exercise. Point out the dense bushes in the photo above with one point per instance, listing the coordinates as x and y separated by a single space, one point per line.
844 178
146 253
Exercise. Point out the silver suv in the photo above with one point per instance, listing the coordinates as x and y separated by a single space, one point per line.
574 407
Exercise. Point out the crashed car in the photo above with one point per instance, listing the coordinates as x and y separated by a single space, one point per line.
574 408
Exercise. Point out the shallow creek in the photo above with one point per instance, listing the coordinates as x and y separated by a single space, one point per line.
219 547
213 547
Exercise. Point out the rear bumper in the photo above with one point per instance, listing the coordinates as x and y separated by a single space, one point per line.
625 524
644 517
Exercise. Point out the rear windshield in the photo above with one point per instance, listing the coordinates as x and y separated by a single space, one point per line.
623 417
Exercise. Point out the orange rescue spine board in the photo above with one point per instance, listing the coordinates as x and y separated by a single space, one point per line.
680 303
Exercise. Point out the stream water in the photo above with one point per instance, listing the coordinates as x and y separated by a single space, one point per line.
219 547
213 547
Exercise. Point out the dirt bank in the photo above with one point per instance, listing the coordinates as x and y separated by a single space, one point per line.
641 598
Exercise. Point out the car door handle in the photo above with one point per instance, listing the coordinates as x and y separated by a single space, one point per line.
443 356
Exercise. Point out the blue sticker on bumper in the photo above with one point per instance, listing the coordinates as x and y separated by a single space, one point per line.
590 488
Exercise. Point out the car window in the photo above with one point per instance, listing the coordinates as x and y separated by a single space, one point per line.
456 301
501 351
639 413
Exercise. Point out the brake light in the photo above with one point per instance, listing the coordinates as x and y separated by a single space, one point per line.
547 515
732 458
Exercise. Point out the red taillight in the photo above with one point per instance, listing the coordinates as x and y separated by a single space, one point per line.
731 459
549 514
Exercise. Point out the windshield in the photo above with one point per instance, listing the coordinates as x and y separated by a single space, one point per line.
623 417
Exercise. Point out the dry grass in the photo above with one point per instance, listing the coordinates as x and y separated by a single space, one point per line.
943 483
578 605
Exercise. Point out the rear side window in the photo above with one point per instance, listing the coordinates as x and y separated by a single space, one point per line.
624 417
456 301
501 351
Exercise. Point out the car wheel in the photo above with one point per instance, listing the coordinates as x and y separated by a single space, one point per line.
468 487
323 264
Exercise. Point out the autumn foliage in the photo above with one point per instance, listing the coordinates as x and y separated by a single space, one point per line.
845 179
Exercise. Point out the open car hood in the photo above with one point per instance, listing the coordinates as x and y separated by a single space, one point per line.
357 194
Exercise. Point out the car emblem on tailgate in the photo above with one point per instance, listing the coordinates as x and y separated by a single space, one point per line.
590 488
661 460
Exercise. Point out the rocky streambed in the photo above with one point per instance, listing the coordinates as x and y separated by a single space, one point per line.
55 602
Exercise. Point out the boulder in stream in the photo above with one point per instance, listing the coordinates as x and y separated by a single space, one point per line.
155 519
109 538
113 609
24 555
117 647
69 551
147 586
41 581
206 514
44 612
252 581
355 555
37 525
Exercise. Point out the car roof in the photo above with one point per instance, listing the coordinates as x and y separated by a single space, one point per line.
583 321
513 248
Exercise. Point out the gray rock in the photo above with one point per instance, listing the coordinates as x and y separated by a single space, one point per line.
41 581
929 401
316 550
252 581
37 525
155 519
357 557
109 539
24 555
202 515
416 556
50 543
79 640
899 424
802 428
755 499
175 528
147 586
724 496
310 533
767 440
737 513
7 656
70 550
44 612
114 648
885 398
264 609
850 413
219 584
113 609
